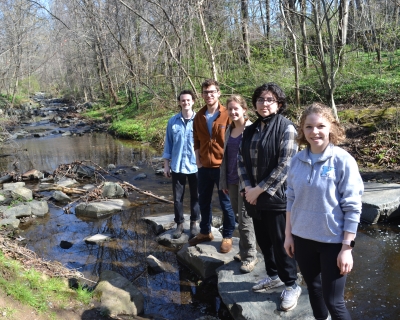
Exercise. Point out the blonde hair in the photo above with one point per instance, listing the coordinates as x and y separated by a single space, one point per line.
241 101
336 134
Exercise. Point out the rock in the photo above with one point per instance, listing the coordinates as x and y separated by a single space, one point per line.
97 238
120 171
22 193
65 244
163 223
6 178
112 190
380 200
235 290
10 222
159 171
67 182
61 197
158 266
14 185
32 175
140 176
205 258
111 166
38 208
84 171
2 198
135 168
89 187
66 133
20 211
118 295
101 209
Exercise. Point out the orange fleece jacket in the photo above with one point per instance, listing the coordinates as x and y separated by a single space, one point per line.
211 149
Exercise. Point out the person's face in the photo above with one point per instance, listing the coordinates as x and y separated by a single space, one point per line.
267 104
316 131
210 95
235 111
186 101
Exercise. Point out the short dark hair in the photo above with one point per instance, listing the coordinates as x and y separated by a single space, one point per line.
275 90
210 82
186 92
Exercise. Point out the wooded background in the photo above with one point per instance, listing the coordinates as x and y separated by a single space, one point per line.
152 49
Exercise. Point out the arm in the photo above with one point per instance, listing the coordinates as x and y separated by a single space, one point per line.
345 258
288 149
198 162
289 243
167 169
168 143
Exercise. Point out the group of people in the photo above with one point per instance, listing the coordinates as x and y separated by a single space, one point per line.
301 208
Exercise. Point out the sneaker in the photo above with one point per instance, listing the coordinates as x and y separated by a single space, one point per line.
201 238
267 284
248 266
237 257
226 245
289 298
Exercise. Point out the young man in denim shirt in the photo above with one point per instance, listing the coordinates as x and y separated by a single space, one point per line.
180 162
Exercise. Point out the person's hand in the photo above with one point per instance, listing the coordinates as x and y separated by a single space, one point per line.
252 194
289 245
345 260
167 171
226 191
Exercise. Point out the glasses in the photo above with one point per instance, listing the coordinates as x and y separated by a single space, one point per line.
268 100
211 92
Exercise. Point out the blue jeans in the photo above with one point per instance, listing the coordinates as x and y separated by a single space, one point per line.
207 177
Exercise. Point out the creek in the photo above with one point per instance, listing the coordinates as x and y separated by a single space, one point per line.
373 287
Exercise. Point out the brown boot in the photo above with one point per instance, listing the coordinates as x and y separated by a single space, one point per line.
194 229
201 238
226 245
178 231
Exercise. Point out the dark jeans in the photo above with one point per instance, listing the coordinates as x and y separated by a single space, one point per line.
318 265
178 189
270 236
208 177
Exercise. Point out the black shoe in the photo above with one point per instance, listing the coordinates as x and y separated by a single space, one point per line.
178 231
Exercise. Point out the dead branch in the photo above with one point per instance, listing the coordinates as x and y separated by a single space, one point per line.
145 192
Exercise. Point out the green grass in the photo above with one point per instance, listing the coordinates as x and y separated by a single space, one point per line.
32 288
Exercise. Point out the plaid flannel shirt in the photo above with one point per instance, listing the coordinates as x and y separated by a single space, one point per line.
288 148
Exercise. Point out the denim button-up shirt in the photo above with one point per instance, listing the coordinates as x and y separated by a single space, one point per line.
179 145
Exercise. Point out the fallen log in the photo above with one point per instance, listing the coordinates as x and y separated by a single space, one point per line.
6 178
145 192
63 189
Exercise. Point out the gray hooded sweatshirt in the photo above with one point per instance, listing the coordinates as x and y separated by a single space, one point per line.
324 198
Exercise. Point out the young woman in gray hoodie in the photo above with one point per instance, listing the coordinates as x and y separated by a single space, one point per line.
324 190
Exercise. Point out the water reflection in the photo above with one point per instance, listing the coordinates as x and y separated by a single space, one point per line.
48 152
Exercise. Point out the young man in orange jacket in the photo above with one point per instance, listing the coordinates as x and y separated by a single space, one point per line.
209 127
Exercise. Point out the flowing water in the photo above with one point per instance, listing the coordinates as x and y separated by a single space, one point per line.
373 289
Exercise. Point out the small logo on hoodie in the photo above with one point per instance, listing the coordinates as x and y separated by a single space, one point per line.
328 172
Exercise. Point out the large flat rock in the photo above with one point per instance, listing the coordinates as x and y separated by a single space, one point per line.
235 290
380 200
204 259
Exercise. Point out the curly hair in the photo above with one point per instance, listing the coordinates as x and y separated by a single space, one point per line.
275 90
186 92
336 134
210 82
239 100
